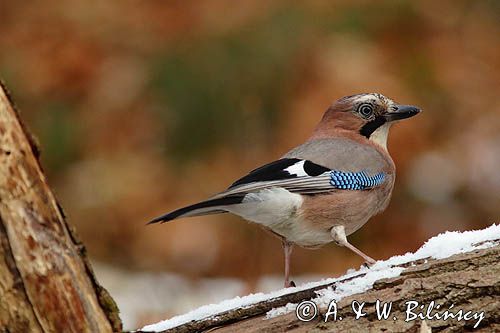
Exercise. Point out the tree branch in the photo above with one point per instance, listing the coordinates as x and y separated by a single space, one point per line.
470 281
46 282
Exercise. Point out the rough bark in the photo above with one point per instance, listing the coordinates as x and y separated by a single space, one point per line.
46 282
470 281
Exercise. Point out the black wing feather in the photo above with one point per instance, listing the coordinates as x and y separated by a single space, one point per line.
229 200
271 171
277 171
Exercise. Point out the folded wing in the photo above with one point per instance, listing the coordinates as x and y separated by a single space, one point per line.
291 174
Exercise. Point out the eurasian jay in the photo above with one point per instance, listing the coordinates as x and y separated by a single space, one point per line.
324 189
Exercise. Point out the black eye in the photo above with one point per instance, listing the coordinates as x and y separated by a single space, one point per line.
366 110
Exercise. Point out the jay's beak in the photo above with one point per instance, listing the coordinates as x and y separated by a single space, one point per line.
402 112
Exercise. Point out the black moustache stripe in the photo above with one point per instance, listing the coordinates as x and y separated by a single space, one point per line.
372 126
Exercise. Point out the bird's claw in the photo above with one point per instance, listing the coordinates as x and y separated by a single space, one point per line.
368 264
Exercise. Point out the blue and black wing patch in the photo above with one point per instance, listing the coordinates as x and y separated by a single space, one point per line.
305 177
286 168
355 180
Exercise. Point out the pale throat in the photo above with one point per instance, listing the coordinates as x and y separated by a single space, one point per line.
379 136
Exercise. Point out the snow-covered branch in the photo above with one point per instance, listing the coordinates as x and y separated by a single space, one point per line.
453 280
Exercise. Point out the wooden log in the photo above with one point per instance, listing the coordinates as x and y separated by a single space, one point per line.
469 281
46 281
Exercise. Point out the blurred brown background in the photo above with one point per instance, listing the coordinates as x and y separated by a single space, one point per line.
144 106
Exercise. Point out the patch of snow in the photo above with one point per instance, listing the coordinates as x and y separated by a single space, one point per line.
212 310
343 288
290 307
438 247
267 284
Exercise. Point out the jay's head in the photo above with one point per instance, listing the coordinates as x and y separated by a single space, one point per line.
364 115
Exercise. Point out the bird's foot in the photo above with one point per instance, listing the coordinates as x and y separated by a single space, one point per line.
289 284
369 262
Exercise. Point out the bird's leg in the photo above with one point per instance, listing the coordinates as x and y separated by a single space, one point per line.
287 248
339 237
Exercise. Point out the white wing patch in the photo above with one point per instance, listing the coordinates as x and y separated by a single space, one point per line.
297 169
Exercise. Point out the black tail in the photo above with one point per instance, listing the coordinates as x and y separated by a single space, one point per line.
212 206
